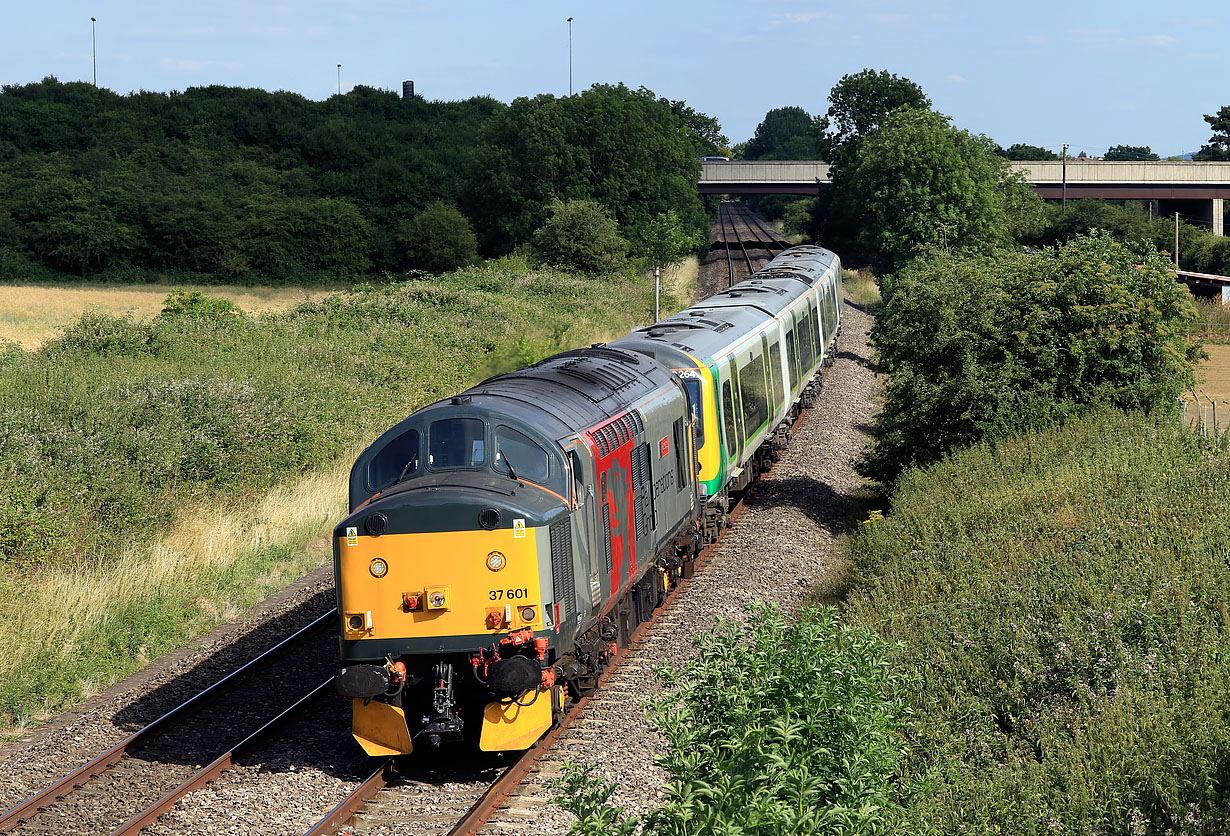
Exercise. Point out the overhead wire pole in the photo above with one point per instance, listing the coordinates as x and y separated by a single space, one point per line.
569 56
94 49
339 79
1065 178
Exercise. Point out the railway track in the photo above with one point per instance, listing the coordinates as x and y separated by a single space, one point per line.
128 787
748 243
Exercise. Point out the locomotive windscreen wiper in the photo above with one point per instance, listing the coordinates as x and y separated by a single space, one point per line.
410 465
509 465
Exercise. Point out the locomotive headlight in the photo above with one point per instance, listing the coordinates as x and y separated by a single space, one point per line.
356 622
496 561
379 568
436 600
527 614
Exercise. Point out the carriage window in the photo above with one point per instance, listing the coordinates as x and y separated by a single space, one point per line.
692 385
775 372
528 460
456 442
398 460
728 416
755 398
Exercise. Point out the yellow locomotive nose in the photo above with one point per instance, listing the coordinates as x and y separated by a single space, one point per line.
406 603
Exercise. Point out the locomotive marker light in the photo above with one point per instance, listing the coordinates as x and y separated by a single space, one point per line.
437 598
379 568
496 561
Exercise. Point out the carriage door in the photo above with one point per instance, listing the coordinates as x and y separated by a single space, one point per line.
732 412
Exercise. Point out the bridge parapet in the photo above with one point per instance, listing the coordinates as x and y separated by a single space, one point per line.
1193 188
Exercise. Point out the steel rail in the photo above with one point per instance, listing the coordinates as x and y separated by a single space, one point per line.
53 793
220 764
349 806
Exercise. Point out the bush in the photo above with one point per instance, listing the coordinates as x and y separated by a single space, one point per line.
982 346
197 305
774 728
581 234
438 239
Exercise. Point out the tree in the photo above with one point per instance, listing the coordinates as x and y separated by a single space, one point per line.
1017 340
1131 152
1219 143
438 239
667 240
581 148
580 234
858 105
784 133
1019 152
919 181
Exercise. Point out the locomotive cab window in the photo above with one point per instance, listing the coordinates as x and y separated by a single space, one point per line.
397 461
520 456
456 443
692 385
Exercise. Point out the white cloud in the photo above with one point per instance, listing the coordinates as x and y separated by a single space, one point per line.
889 19
958 79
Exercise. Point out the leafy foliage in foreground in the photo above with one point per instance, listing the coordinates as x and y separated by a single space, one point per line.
982 346
1062 597
775 728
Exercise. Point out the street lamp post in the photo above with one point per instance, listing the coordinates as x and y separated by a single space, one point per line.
569 56
94 49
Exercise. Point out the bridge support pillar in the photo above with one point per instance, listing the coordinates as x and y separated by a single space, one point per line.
1209 214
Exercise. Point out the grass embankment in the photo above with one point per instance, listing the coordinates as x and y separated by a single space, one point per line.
32 314
162 475
862 285
1213 322
1064 604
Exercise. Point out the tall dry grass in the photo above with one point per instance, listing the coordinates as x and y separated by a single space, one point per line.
862 285
30 315
214 564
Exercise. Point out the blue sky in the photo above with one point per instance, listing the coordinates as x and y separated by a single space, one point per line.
1091 74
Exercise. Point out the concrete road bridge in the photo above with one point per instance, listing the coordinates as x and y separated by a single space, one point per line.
1194 189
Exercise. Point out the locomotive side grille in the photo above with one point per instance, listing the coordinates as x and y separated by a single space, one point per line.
641 509
604 448
561 566
606 540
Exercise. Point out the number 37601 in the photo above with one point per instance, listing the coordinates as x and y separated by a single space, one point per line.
511 594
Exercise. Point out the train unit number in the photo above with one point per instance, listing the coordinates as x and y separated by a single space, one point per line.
501 594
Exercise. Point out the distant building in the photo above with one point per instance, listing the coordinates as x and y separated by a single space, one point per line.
407 89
